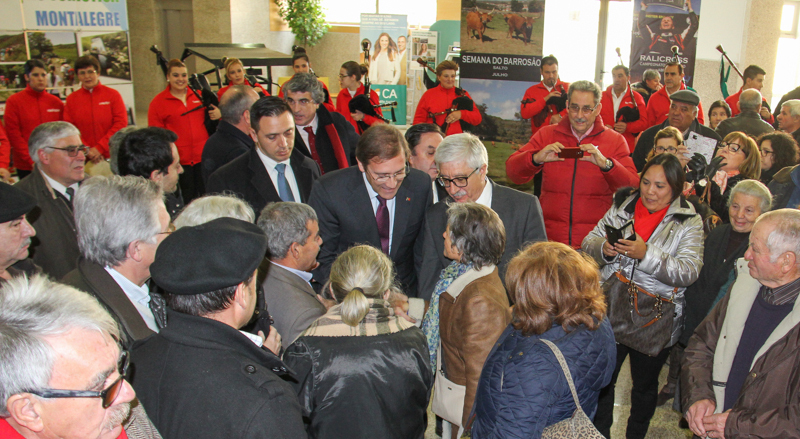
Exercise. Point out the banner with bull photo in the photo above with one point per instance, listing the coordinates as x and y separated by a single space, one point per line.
662 28
502 39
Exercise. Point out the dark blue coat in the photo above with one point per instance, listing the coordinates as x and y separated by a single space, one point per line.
523 389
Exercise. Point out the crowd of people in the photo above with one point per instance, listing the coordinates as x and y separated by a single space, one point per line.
286 267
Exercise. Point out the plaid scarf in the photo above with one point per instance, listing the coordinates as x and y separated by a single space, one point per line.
379 320
430 323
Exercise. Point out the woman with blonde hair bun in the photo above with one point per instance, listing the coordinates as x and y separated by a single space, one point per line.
362 358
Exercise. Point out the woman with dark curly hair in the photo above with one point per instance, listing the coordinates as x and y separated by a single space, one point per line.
778 150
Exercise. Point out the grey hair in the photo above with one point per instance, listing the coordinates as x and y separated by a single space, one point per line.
47 135
753 188
211 207
584 86
32 311
235 102
785 235
113 147
477 232
651 74
112 212
794 106
285 223
461 147
304 82
750 100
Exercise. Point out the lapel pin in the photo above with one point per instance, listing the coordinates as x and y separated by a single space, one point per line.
408 198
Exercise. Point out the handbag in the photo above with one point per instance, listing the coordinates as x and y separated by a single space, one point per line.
641 320
448 397
578 425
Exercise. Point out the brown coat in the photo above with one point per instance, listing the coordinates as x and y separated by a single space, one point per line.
769 402
470 324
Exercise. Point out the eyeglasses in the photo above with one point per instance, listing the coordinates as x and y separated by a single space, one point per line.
766 152
301 102
86 72
109 394
732 147
383 178
458 181
342 76
574 108
671 150
73 150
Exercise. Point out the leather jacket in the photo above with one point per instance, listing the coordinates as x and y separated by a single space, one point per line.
674 253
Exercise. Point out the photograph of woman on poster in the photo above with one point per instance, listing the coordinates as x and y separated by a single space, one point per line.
385 66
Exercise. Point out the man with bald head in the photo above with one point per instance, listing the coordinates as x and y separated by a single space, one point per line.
749 121
232 138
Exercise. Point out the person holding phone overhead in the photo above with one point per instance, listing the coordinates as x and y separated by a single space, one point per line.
582 162
657 263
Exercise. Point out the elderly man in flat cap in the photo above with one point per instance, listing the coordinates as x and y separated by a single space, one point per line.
200 377
15 233
683 115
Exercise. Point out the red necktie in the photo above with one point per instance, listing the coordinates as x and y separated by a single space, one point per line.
312 145
382 216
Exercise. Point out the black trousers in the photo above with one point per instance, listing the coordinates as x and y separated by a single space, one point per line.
644 394
191 182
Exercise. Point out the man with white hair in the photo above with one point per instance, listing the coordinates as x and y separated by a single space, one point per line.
739 375
789 118
62 373
59 155
463 163
121 221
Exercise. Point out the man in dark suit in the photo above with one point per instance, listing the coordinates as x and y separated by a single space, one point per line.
463 162
294 243
381 202
15 233
59 156
327 137
151 153
116 252
273 171
423 139
232 137
749 121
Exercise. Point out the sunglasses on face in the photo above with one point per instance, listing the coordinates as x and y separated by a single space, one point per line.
109 394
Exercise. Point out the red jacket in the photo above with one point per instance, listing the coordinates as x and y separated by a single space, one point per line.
257 86
439 99
659 103
328 103
343 108
26 110
5 149
536 95
575 193
97 114
165 112
733 102
609 118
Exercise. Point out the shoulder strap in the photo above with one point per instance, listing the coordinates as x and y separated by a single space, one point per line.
564 368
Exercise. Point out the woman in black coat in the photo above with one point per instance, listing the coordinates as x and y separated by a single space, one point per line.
778 150
363 371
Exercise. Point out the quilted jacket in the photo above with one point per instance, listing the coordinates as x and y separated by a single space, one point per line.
522 388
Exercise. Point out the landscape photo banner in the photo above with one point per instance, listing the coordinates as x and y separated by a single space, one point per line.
658 26
107 15
502 39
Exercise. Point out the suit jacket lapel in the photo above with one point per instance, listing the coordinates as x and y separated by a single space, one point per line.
259 178
292 279
300 144
362 209
402 210
302 175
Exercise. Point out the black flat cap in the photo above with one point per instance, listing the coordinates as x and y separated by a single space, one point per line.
14 202
215 255
686 96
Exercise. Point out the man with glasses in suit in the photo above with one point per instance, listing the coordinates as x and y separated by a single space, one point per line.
381 202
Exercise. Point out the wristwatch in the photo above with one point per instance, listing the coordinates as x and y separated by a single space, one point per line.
609 165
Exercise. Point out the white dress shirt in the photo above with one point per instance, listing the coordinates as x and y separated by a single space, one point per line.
306 276
288 172
138 295
60 187
390 204
617 100
486 196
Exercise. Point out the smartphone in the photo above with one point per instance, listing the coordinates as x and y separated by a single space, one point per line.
570 153
613 234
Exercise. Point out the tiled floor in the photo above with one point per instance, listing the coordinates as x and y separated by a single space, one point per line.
663 426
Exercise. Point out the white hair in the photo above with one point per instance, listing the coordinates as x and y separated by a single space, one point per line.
462 147
211 207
